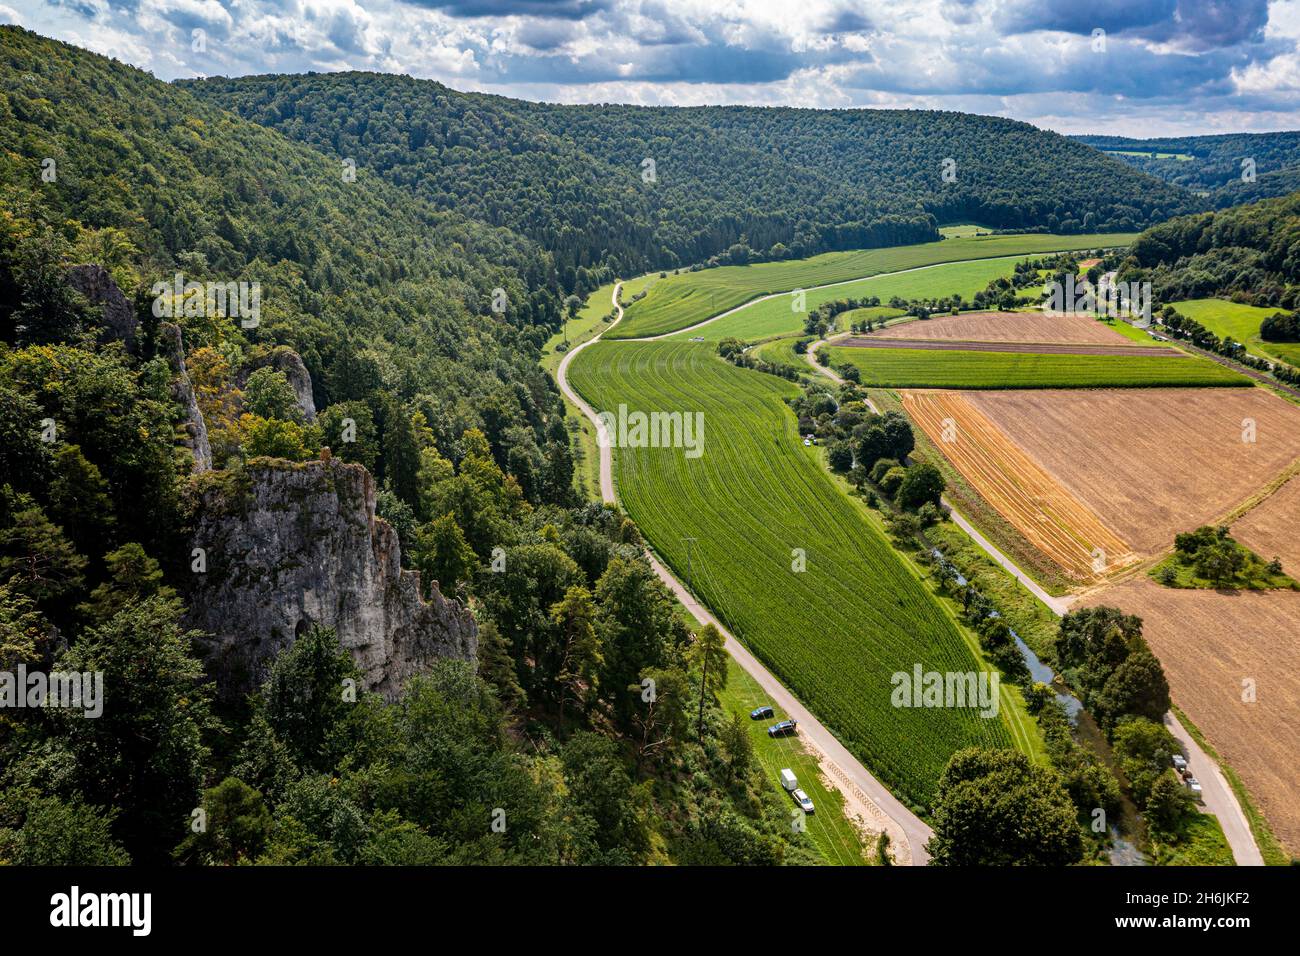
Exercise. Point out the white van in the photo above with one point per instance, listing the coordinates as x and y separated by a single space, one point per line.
787 779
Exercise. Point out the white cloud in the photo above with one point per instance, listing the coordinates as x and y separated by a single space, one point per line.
1184 64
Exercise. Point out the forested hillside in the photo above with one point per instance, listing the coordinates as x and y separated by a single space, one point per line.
419 329
1249 253
730 182
1212 166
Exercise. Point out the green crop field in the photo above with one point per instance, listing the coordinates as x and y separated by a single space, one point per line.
781 352
681 300
1242 322
834 633
934 368
777 316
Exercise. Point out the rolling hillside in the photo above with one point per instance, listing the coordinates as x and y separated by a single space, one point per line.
731 182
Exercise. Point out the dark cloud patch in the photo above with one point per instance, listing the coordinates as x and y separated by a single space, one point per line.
554 9
1072 16
661 64
850 19
1126 69
543 35
1196 24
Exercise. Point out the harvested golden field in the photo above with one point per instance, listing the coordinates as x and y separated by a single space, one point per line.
1154 463
1024 327
1272 528
1209 643
1034 502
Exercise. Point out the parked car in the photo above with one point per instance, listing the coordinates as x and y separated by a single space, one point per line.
805 803
1194 785
807 442
1180 762
788 780
782 729
760 713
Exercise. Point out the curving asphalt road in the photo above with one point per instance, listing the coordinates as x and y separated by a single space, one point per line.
842 764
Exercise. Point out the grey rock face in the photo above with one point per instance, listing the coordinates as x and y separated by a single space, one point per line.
286 360
183 391
291 545
94 282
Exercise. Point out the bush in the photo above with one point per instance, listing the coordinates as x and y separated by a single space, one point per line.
882 466
892 480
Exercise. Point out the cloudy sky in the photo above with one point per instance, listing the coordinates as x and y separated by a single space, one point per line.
1156 66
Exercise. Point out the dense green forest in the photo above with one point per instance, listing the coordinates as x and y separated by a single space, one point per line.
1249 253
1212 166
531 754
736 183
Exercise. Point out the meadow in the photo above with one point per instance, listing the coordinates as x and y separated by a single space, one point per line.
777 316
746 508
684 299
926 368
835 837
1242 322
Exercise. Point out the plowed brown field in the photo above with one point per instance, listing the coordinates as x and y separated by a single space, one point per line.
1272 529
1209 643
1035 503
1150 465
1030 327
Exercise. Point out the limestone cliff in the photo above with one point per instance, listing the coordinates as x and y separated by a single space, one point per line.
196 429
119 321
291 545
286 360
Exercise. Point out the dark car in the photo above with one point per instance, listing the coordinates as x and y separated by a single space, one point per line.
759 713
782 729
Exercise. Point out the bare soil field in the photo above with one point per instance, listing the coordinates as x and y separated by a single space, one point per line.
1036 504
1153 464
1027 327
1038 348
1210 642
1272 528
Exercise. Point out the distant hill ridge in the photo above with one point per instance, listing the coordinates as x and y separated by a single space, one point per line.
659 187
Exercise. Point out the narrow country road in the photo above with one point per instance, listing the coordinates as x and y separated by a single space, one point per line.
1058 605
1215 791
863 793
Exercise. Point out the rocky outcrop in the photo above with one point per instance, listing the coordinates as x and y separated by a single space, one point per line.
196 429
95 283
120 324
286 360
292 545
